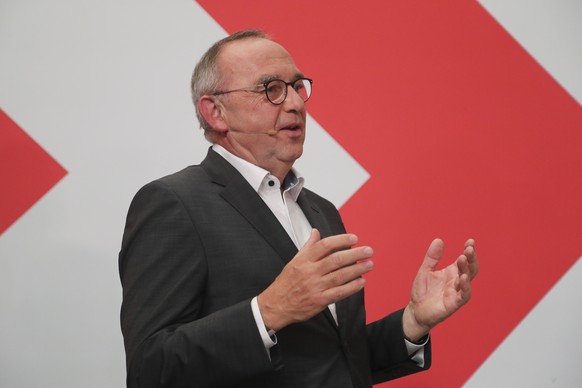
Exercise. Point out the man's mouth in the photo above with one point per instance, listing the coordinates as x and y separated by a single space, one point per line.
291 128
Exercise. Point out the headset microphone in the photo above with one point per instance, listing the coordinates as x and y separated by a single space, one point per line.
270 132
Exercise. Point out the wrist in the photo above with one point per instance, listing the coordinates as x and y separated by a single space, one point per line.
413 331
421 341
271 319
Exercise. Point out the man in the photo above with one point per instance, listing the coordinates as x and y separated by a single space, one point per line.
235 276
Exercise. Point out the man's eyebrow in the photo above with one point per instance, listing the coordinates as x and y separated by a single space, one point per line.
266 78
270 77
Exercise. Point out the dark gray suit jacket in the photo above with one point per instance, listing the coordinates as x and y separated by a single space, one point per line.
198 246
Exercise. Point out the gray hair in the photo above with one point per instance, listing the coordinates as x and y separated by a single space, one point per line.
206 77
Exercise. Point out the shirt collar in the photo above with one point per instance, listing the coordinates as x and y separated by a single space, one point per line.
255 175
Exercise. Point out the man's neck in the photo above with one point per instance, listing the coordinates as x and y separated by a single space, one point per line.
277 168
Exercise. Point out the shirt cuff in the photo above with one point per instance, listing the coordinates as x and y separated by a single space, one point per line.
416 351
269 338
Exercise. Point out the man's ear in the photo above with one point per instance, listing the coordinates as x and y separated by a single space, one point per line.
211 109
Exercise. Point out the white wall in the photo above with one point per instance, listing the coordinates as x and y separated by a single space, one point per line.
102 86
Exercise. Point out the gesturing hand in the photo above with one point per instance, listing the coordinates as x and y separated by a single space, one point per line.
437 294
324 271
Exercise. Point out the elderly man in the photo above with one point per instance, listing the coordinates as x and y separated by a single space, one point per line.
234 275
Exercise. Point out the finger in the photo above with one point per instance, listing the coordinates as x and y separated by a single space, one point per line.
465 288
346 274
309 249
463 265
336 294
344 258
314 237
326 246
469 242
433 255
472 260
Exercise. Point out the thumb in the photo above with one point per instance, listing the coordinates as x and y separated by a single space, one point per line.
433 255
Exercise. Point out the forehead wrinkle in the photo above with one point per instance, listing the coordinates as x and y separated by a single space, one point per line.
266 59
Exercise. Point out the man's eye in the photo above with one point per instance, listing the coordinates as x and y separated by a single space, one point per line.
299 86
274 88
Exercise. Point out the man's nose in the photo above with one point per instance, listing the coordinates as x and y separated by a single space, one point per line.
294 101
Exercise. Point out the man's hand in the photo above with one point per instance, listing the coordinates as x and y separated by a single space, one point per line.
323 272
437 294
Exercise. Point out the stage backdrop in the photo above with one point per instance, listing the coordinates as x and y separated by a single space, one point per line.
449 119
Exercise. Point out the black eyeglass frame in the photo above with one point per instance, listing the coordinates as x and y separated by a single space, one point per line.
265 86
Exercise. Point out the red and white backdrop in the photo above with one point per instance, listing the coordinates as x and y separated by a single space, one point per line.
449 119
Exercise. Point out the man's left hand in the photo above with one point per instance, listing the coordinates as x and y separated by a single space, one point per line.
437 294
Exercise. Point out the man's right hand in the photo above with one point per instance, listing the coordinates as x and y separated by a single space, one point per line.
323 272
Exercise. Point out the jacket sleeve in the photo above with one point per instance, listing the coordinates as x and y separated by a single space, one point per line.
389 357
169 341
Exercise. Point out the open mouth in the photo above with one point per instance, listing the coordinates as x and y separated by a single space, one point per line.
291 128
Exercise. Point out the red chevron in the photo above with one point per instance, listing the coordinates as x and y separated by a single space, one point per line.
464 135
27 172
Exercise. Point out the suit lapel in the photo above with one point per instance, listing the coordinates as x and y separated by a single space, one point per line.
247 202
241 196
314 214
317 220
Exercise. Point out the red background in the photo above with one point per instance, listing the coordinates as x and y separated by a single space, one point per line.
463 134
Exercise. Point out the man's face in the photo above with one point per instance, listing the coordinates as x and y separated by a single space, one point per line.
267 135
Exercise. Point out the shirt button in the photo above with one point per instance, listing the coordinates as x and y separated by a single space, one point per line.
271 183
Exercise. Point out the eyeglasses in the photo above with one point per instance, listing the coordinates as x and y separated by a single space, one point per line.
276 90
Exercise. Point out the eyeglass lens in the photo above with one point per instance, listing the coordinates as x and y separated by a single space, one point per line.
277 90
